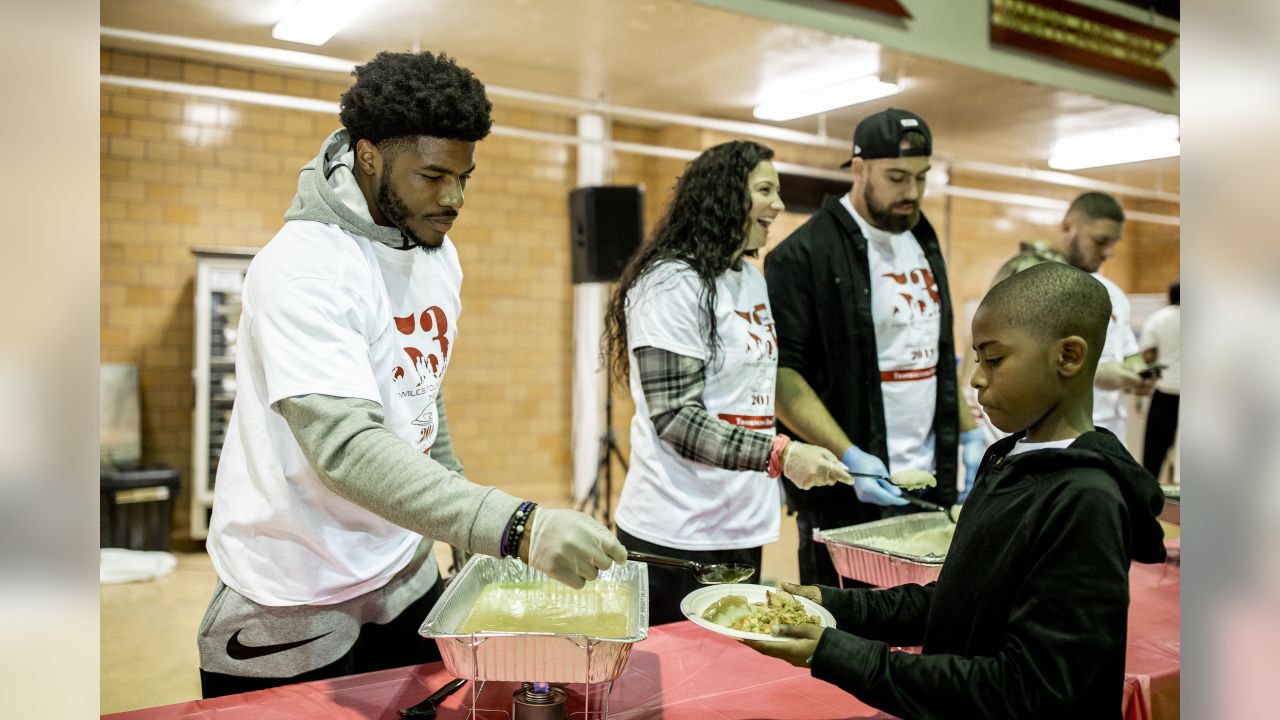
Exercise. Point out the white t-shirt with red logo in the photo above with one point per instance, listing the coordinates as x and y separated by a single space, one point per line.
907 311
681 503
331 313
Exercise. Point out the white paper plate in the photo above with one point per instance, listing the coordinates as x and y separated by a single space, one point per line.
699 600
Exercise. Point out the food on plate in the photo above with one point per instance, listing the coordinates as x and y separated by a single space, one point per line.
914 479
934 541
779 608
597 610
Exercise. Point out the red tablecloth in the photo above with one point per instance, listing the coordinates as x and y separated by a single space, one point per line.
683 672
1153 659
680 672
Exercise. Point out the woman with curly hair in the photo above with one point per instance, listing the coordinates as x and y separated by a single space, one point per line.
689 325
337 474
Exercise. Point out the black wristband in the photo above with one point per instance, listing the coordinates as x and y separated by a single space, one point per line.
516 527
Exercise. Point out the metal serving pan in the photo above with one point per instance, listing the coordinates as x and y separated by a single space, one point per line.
856 559
1172 511
532 656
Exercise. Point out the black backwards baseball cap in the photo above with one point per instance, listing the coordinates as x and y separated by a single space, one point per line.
880 136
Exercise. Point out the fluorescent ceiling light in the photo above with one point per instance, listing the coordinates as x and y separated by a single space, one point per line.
1149 141
275 56
831 97
313 22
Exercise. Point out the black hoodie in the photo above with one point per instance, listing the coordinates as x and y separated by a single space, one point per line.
1029 616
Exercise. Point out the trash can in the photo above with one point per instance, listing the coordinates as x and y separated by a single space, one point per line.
136 510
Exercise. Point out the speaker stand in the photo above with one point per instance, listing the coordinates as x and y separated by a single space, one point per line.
600 498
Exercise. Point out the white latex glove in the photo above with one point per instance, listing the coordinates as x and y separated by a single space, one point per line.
810 466
571 547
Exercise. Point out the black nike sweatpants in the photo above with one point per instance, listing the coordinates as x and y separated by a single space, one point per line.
378 647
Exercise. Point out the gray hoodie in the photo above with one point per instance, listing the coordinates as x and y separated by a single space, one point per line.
328 193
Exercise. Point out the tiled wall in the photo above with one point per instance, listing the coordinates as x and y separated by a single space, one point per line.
181 172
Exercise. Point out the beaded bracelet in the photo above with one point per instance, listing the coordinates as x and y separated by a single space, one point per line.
514 531
775 454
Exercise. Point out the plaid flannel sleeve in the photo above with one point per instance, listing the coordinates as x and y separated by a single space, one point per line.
673 385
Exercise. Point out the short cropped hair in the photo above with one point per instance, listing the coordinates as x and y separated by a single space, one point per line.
1097 206
1051 301
402 95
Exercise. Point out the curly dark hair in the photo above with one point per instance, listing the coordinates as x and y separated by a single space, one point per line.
704 226
400 95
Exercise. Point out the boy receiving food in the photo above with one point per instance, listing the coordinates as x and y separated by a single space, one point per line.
1029 615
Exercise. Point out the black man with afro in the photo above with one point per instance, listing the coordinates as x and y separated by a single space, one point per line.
337 474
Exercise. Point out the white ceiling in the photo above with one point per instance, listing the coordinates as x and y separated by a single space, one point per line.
678 56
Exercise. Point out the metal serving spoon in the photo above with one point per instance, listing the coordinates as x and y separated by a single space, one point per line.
949 512
706 573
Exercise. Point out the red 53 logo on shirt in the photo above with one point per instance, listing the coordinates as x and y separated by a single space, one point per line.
430 353
761 338
918 294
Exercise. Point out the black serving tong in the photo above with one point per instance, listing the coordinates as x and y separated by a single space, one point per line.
427 708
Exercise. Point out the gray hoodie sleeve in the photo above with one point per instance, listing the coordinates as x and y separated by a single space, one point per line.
357 457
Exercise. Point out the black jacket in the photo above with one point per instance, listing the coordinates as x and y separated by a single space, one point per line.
820 294
1029 616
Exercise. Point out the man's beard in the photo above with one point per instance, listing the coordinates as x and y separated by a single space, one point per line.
393 207
884 218
1075 258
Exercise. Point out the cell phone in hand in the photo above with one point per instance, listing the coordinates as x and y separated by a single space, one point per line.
1152 371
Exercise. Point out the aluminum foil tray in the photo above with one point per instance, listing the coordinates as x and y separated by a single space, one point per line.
530 656
856 560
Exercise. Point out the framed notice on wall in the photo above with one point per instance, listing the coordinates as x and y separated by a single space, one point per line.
1085 36
893 8
888 7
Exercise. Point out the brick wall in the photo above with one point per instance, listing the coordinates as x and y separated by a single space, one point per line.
178 173
181 172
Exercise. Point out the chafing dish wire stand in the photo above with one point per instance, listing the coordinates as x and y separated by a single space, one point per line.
563 659
855 556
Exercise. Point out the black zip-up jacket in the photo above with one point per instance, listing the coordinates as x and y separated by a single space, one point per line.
1029 616
820 294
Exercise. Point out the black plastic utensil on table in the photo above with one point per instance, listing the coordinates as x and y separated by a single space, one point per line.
427 708
706 573
912 498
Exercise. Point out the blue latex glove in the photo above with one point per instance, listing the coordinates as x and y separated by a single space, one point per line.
973 446
873 490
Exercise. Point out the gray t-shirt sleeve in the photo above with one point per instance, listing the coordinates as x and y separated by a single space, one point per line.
357 457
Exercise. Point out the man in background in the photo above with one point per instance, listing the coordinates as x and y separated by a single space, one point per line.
1087 238
867 357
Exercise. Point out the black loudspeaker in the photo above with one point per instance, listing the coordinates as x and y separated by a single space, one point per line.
606 225
804 194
